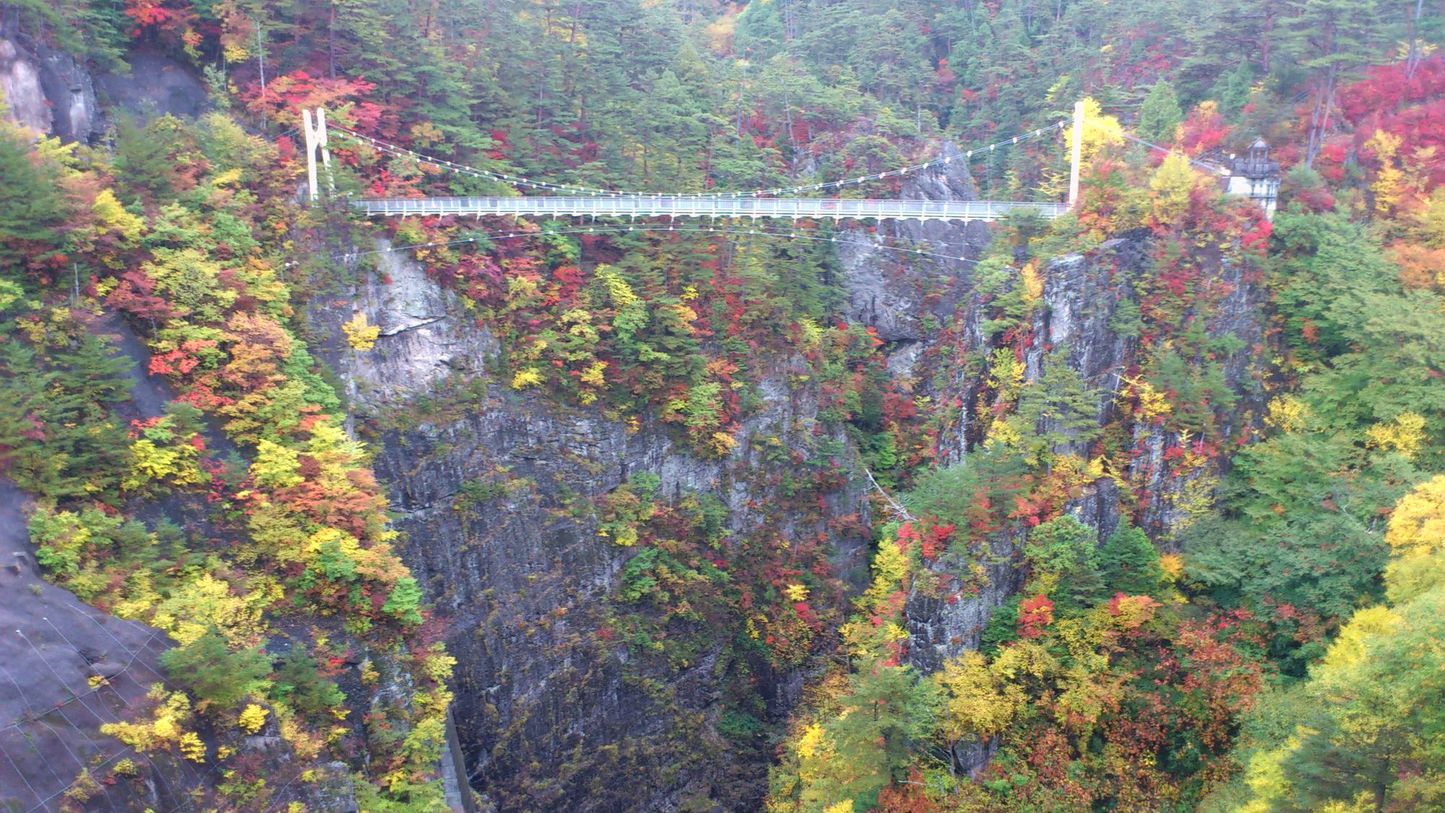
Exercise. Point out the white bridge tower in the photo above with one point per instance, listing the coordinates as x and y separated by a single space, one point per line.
314 127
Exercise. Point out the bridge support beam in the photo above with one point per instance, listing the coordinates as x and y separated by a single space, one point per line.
1076 153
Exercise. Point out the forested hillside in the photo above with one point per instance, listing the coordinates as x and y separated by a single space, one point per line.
1141 508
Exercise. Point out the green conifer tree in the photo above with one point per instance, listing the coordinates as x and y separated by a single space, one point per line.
32 209
1130 564
1160 115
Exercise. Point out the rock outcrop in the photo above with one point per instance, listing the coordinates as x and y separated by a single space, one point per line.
494 491
1083 321
48 91
899 295
156 85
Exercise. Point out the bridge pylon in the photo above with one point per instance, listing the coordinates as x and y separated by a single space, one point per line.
314 128
1076 153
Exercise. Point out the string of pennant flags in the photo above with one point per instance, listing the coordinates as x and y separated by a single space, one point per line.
519 180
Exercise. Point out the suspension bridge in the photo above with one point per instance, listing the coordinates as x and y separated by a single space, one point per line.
781 203
676 206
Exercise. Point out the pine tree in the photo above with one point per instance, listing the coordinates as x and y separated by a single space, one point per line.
1160 114
214 672
1060 407
1064 557
32 209
1330 39
759 33
1130 564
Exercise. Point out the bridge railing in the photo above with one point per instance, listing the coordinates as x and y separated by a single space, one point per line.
701 206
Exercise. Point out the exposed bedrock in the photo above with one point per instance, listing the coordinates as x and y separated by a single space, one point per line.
495 502
46 90
1075 325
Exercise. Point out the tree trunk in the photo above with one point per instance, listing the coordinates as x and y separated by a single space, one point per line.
1320 117
1412 63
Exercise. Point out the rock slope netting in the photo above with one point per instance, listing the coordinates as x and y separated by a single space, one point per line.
66 669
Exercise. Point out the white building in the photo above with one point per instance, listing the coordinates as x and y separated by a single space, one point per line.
1257 177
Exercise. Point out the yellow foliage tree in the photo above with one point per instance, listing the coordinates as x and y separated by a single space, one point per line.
204 602
1033 284
721 444
172 711
1367 714
979 704
252 718
111 217
158 456
1416 535
1405 434
1100 131
275 466
360 334
1287 414
192 747
1391 186
526 377
1152 403
1426 223
1171 187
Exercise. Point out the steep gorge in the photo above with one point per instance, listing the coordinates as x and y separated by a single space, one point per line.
498 494
507 501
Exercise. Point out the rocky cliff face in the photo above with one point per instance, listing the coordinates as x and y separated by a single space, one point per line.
1077 322
1081 322
1079 325
496 492
905 298
48 91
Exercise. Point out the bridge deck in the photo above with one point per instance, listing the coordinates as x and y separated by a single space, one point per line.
699 206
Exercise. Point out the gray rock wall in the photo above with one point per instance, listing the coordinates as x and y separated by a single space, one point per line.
495 499
49 92
546 709
156 85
